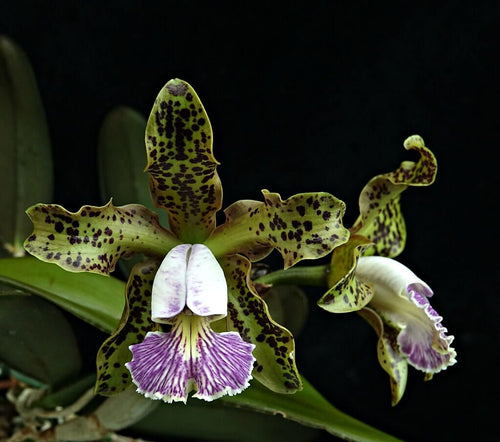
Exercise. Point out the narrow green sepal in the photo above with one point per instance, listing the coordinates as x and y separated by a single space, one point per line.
180 160
389 355
112 375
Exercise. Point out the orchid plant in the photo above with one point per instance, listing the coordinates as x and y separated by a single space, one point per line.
195 317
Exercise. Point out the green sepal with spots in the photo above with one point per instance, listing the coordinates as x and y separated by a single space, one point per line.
304 226
380 217
180 161
249 316
112 375
346 293
389 356
95 238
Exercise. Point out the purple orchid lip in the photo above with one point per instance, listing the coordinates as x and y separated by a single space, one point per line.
190 291
432 353
168 366
401 298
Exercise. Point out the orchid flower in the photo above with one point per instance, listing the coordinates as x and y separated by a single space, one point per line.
410 330
196 275
384 292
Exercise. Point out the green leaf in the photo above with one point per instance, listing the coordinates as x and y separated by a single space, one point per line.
98 300
121 159
37 340
121 155
67 394
309 408
214 421
180 160
25 153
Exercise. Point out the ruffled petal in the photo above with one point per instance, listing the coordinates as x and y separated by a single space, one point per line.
191 356
304 226
180 160
401 299
425 342
95 238
380 217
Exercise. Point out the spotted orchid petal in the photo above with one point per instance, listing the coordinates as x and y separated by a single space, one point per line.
112 376
249 316
380 217
95 238
191 277
191 356
390 357
346 292
401 300
181 164
304 226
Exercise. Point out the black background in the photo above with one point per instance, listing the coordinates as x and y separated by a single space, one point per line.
306 97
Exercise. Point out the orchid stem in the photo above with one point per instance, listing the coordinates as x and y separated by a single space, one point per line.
314 276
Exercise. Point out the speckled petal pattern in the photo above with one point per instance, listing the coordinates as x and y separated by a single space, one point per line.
249 316
112 376
181 164
168 366
389 355
304 226
346 292
380 217
94 238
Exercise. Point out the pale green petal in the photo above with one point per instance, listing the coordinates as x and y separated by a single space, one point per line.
184 178
389 355
346 292
94 238
249 316
305 226
380 217
112 375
